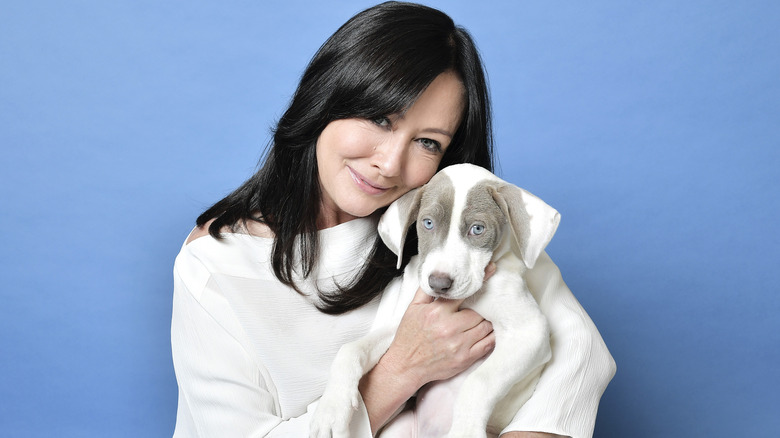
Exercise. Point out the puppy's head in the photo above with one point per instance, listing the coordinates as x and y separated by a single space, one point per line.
465 217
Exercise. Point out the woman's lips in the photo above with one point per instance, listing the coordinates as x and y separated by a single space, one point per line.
365 185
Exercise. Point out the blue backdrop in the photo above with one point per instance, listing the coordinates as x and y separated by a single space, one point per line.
653 127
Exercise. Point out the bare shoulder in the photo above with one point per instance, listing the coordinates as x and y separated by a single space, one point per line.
253 228
199 232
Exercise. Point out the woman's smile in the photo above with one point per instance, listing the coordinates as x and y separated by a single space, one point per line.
365 185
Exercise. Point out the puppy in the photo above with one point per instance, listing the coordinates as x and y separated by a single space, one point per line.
465 218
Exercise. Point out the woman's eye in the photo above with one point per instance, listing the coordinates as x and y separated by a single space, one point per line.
428 224
382 121
431 145
477 229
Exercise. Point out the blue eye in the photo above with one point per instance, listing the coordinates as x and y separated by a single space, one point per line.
477 229
430 145
427 223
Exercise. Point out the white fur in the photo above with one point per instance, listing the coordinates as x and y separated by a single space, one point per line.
493 389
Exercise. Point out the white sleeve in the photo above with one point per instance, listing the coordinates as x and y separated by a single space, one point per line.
223 391
567 396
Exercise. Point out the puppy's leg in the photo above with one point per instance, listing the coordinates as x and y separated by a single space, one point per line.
341 397
517 353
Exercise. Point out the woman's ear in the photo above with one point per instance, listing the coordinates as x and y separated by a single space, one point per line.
395 222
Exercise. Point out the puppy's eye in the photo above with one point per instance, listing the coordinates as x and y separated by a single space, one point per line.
427 223
477 229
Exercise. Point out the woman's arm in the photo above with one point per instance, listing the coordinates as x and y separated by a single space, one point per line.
567 396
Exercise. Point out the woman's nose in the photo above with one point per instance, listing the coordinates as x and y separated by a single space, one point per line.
389 157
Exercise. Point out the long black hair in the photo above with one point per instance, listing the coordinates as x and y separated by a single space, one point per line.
375 65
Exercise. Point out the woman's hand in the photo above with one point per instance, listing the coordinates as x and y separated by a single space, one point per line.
435 341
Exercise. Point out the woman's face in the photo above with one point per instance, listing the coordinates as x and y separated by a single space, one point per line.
367 164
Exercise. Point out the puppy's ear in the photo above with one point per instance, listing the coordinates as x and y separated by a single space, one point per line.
395 222
533 222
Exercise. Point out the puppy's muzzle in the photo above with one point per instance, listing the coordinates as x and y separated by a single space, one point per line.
440 283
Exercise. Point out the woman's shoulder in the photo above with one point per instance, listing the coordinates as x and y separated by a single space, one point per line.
198 232
237 251
252 228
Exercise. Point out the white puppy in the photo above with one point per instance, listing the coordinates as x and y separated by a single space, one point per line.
466 217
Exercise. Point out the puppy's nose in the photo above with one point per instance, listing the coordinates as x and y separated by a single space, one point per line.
439 282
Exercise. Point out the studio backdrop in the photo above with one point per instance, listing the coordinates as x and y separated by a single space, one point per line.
651 126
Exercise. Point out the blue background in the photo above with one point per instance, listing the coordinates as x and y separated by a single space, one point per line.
654 127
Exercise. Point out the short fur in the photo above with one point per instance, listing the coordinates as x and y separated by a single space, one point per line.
466 217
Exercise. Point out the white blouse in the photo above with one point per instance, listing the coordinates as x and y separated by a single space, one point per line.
252 356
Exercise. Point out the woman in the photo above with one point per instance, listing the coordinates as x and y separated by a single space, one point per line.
289 267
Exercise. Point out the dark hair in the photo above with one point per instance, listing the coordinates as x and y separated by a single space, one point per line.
375 65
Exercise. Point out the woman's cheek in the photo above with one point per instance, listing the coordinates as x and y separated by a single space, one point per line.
424 172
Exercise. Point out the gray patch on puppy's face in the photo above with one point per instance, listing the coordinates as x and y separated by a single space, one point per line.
482 223
435 212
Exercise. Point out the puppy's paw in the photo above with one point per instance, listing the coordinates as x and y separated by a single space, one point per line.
329 425
333 414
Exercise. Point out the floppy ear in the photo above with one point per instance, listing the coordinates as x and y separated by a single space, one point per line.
533 222
395 222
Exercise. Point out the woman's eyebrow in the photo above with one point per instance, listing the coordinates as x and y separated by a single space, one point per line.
433 130
438 131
